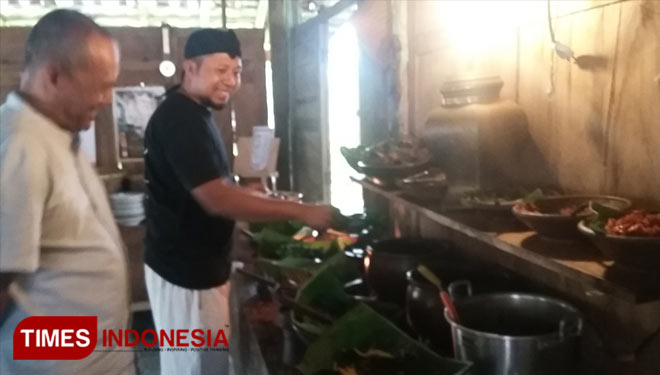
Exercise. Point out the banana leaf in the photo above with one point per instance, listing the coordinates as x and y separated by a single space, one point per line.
533 196
287 228
289 270
269 241
363 329
602 214
310 250
325 290
275 244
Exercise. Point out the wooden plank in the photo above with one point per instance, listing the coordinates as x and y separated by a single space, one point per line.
309 112
559 102
409 79
139 43
582 99
544 92
10 76
327 13
307 159
429 13
12 42
568 8
280 21
107 143
133 238
377 119
633 156
533 86
250 100
223 121
149 75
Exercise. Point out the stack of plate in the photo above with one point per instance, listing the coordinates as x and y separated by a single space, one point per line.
128 208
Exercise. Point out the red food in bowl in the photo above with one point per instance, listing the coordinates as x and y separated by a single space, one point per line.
638 223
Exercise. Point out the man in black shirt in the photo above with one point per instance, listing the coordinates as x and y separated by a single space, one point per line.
192 202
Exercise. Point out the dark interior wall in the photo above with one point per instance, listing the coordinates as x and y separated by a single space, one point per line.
141 53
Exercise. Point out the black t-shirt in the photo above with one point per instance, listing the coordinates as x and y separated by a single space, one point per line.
184 149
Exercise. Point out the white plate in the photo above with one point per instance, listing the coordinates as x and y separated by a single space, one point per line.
130 222
127 197
128 211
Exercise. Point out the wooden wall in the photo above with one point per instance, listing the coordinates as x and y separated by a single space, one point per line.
378 71
141 52
598 125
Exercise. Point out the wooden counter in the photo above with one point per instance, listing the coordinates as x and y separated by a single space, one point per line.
576 260
621 305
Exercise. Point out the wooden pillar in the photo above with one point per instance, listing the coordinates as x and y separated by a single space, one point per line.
280 22
379 71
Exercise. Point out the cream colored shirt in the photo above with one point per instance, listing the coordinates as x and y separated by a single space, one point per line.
58 233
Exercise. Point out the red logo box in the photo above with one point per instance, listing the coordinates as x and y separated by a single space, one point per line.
55 337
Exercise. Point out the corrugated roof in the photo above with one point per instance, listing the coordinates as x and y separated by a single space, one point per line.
138 13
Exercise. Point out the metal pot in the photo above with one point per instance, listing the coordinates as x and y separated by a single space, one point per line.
423 305
515 334
423 311
388 261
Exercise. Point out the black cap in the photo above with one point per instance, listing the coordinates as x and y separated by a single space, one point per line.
207 41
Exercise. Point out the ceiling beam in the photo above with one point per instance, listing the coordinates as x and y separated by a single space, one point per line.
224 13
262 13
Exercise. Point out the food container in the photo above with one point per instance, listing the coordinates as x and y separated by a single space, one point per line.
128 208
389 160
512 333
481 146
638 252
464 91
388 261
423 305
429 186
550 221
496 201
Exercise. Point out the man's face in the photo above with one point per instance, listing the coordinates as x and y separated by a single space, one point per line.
215 78
82 90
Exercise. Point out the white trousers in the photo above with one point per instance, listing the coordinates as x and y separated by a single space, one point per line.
174 307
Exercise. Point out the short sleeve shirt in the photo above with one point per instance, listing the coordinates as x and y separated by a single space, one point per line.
183 150
58 234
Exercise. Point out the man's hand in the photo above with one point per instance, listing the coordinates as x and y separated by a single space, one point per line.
320 217
219 198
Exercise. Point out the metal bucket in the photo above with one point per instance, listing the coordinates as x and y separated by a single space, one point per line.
515 334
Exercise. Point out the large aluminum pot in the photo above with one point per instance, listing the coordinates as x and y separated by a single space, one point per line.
515 334
424 307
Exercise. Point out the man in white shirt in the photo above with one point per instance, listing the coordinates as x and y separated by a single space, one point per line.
60 250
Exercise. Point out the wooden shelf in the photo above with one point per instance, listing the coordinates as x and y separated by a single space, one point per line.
576 260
